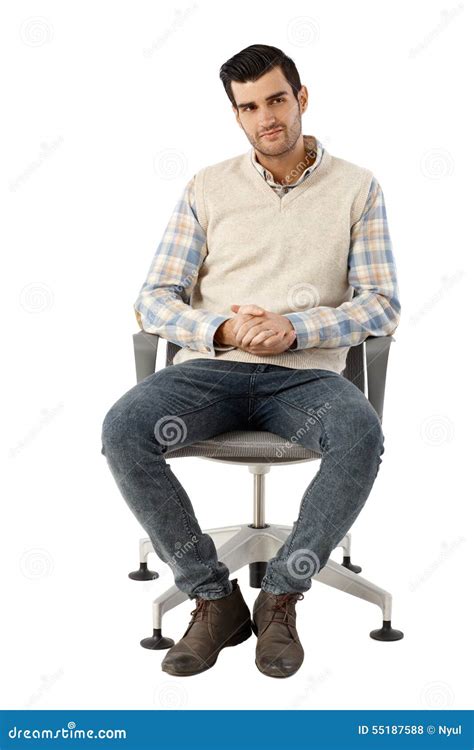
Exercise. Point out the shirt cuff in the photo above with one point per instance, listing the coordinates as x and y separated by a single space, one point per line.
302 334
210 347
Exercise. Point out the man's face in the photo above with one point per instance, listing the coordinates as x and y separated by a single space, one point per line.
269 104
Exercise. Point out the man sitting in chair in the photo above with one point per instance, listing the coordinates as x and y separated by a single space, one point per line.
274 263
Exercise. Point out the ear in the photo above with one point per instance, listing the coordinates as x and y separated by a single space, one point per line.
303 98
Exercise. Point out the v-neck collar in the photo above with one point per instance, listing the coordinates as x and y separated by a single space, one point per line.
296 191
313 148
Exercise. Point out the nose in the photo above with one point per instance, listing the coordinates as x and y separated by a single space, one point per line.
267 121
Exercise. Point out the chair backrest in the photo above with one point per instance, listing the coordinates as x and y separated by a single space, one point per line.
354 370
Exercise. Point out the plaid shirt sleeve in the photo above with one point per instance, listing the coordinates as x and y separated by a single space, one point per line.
374 310
162 305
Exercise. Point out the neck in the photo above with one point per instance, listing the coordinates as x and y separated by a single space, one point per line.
288 167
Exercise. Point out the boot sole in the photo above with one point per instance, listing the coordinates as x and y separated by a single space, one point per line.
277 676
239 637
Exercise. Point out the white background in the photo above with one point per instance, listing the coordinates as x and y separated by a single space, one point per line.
109 108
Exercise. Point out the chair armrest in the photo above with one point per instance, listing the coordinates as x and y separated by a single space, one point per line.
145 347
376 357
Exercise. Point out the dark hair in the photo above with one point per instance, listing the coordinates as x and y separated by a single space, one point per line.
252 62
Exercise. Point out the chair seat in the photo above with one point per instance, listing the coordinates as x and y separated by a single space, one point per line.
244 446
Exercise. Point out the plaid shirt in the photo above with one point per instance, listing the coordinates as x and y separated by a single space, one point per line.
163 305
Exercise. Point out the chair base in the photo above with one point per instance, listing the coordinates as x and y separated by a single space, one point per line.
239 546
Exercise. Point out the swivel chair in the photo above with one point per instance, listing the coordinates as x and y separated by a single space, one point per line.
255 543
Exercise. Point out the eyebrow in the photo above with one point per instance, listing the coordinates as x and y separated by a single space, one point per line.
272 96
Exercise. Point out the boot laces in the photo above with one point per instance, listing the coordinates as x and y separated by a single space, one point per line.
283 601
199 612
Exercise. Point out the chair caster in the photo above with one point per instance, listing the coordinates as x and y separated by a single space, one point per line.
157 641
143 573
386 632
346 563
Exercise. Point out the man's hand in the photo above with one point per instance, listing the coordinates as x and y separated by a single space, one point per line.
225 334
256 330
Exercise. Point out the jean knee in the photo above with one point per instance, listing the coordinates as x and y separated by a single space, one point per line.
114 428
373 443
363 430
373 428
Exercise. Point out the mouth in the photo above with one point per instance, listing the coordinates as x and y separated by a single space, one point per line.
272 133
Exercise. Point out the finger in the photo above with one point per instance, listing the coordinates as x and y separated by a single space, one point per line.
251 309
289 337
243 328
240 319
268 333
282 336
281 339
249 331
275 339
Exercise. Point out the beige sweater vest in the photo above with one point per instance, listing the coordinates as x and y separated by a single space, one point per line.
286 254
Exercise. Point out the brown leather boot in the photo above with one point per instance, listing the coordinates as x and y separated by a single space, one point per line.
215 624
279 652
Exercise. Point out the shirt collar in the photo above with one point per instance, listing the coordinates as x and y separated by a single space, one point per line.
311 145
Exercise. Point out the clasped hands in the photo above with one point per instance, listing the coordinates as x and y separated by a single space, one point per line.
256 330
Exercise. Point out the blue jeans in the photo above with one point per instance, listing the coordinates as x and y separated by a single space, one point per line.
198 399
